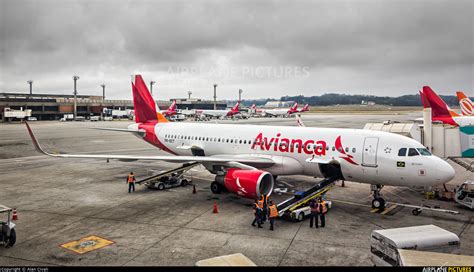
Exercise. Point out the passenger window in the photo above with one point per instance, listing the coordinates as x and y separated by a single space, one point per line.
412 152
353 150
333 148
240 141
327 147
402 152
347 149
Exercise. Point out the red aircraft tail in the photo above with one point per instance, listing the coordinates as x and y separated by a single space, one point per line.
295 106
236 107
173 106
144 105
439 110
305 108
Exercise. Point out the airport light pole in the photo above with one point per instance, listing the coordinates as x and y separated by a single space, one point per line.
215 97
75 78
103 92
240 94
151 86
31 86
189 95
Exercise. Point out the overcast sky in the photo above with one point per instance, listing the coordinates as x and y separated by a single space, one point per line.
266 48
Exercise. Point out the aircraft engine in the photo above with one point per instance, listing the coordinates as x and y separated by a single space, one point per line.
248 183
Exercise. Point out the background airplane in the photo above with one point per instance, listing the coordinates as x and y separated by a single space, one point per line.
220 113
170 111
465 103
440 111
282 112
305 108
246 158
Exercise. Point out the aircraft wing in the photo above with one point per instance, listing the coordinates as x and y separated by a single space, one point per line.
139 132
224 159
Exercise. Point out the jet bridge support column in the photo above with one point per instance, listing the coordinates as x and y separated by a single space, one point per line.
427 129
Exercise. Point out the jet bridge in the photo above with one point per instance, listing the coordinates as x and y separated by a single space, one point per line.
300 199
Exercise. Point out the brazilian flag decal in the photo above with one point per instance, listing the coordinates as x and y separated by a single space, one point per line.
400 164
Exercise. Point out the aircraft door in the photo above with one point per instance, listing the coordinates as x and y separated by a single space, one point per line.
369 155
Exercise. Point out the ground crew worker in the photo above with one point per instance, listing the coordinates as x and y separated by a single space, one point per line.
273 213
257 213
314 213
131 182
261 205
265 208
323 209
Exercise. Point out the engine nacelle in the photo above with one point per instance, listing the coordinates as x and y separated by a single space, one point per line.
248 183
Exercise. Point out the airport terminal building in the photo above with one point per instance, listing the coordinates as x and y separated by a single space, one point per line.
55 106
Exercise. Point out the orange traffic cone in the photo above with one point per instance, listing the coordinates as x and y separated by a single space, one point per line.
194 189
15 215
215 208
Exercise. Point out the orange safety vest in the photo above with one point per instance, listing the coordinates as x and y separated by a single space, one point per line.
260 203
130 178
256 208
273 211
325 207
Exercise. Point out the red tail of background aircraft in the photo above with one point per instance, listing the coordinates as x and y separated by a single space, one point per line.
439 110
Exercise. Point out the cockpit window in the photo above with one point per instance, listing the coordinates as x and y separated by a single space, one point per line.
424 152
402 152
412 152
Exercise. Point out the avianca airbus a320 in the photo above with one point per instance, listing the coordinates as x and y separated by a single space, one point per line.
246 158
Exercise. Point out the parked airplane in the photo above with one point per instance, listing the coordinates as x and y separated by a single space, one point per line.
440 111
220 113
171 110
282 112
465 103
305 108
246 158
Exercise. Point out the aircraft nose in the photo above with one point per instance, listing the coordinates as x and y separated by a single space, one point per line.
446 171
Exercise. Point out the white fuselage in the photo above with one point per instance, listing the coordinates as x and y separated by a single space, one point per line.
276 112
214 113
364 156
464 120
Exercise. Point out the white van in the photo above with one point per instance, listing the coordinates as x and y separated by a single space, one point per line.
386 243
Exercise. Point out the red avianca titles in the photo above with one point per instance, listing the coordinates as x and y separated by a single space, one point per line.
247 158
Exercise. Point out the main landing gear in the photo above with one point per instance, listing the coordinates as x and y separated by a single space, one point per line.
378 202
216 187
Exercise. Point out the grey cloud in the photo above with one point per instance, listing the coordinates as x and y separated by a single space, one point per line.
371 44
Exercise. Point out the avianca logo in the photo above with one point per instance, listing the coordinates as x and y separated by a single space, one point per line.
241 190
343 155
289 145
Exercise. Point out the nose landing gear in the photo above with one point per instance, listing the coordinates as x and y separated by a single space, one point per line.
378 202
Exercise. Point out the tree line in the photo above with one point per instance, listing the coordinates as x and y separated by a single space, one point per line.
350 99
